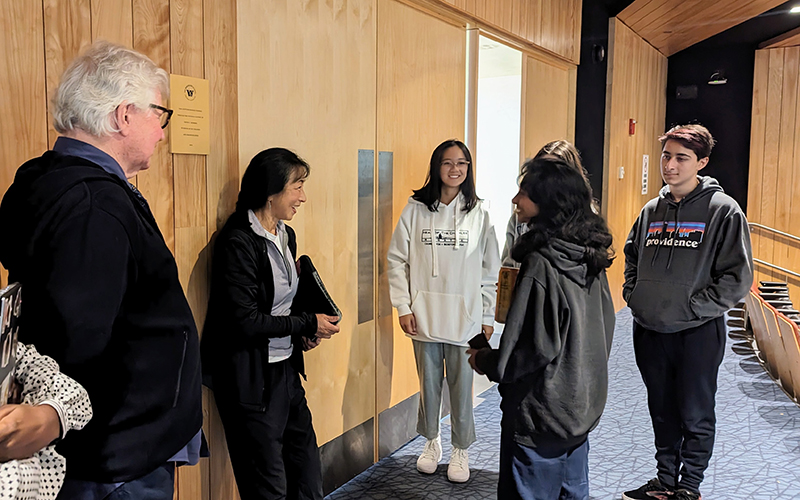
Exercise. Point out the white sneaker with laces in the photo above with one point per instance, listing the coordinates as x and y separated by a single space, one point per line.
428 461
458 470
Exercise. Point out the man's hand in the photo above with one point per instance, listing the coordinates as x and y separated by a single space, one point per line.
325 326
408 323
487 330
26 429
471 353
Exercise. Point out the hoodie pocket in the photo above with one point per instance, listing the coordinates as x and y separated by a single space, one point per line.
442 316
657 304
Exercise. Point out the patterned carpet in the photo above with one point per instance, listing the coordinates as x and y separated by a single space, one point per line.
756 456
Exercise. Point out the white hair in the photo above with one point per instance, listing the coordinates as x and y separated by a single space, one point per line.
101 79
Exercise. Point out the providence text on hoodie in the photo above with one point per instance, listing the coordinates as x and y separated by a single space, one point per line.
443 267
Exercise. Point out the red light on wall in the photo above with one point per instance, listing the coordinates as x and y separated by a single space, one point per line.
631 126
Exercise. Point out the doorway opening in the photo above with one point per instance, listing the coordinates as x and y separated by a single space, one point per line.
498 129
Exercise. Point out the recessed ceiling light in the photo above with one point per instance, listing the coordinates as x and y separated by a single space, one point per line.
795 10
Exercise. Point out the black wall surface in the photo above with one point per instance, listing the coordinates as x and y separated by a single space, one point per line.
590 102
724 109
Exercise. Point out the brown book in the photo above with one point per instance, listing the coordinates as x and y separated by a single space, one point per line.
505 291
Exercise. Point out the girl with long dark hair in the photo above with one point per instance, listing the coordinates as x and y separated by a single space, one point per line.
443 264
552 361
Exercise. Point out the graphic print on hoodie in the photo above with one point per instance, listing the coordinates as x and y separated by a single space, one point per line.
689 234
449 286
688 261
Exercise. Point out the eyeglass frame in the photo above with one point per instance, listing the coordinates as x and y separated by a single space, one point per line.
459 163
163 110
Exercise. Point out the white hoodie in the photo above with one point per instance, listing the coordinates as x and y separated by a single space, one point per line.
451 286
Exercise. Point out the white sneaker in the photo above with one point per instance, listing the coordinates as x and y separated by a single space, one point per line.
428 461
458 470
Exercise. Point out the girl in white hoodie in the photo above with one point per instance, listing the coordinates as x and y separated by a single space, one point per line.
443 265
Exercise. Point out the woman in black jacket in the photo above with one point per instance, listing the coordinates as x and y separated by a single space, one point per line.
253 345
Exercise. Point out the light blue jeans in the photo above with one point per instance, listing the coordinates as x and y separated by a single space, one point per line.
432 357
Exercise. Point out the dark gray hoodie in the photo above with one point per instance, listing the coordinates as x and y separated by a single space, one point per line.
552 364
687 262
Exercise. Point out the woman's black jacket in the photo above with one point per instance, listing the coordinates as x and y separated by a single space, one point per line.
235 343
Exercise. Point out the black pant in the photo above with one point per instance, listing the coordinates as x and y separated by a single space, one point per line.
273 450
680 372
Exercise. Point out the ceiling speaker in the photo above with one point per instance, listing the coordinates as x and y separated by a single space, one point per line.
686 92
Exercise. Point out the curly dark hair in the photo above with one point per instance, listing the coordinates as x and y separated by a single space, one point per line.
564 199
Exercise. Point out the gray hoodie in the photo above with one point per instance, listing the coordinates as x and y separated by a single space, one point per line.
687 262
552 364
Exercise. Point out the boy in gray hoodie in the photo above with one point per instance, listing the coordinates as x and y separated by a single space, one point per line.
687 261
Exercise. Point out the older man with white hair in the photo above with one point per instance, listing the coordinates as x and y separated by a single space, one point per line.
102 295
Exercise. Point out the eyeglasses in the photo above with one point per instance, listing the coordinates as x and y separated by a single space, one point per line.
165 115
459 164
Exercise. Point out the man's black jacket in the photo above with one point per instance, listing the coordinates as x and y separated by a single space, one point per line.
101 296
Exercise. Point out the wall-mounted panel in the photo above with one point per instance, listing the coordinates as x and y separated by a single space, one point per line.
637 81
774 154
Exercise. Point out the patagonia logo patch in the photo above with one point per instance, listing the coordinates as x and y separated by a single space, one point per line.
682 234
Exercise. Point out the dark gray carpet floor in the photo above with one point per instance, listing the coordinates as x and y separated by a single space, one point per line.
756 456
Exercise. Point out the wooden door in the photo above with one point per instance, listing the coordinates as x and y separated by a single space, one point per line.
421 103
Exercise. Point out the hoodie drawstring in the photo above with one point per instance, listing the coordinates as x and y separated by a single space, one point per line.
663 234
674 233
664 227
455 223
435 270
456 243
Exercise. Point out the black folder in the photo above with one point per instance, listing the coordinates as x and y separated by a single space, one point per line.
312 296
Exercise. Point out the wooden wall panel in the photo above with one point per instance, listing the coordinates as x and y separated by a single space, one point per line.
549 105
191 233
637 80
774 155
308 88
38 40
222 185
23 108
420 104
788 39
112 20
67 31
554 25
151 37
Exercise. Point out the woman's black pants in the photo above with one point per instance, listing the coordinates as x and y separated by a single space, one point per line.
273 450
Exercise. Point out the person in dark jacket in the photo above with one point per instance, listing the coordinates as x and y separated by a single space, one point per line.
687 261
552 364
102 295
252 343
